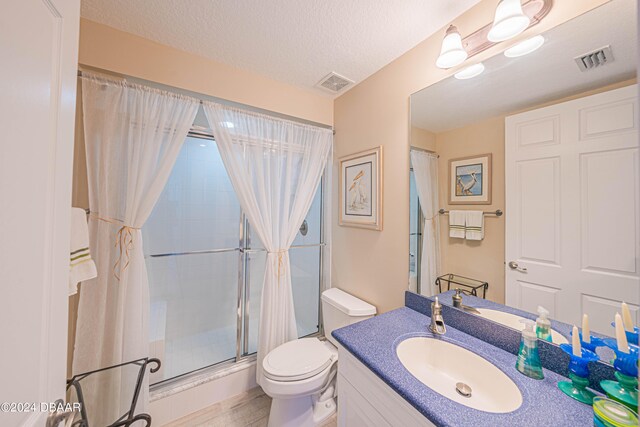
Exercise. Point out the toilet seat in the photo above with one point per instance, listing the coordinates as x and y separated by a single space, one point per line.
297 360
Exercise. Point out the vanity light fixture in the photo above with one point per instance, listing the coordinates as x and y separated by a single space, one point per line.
509 21
511 18
452 52
470 72
525 47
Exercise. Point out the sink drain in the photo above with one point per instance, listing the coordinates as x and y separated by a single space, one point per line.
463 389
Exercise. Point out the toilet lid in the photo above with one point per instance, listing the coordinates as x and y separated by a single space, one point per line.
297 360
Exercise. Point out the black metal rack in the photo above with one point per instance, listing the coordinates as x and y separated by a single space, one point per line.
466 285
129 417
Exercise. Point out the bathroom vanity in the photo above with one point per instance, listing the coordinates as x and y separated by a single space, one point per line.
377 389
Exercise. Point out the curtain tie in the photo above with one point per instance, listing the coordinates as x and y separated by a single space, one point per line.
432 217
281 268
124 243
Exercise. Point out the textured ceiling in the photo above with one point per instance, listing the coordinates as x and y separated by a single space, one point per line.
294 41
550 73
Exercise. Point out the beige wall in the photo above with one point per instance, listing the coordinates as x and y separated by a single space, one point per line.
124 53
483 260
422 138
374 265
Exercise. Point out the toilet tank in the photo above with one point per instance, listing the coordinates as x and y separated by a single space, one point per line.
341 309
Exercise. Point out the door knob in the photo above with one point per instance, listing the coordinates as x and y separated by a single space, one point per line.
514 266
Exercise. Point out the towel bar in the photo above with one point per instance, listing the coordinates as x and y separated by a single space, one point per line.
497 212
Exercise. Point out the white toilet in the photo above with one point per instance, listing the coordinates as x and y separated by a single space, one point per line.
300 375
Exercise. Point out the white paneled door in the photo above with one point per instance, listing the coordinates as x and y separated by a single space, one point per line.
38 47
573 208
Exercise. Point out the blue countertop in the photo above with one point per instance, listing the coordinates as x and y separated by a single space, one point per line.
374 343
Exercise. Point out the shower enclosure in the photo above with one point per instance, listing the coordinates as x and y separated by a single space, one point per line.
206 268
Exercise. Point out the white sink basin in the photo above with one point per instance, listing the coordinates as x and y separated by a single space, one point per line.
513 322
441 366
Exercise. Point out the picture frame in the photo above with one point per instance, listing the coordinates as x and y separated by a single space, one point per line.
361 189
470 180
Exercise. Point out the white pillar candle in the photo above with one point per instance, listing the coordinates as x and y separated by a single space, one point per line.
586 333
575 345
626 317
621 337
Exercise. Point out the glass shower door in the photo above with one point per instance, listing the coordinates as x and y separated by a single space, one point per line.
191 245
206 268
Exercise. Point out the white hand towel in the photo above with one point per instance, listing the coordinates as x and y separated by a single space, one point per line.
456 224
81 265
474 228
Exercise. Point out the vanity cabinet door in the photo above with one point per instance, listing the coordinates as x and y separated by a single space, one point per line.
365 400
354 409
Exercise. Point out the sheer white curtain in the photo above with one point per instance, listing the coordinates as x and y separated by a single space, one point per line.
133 135
275 167
425 171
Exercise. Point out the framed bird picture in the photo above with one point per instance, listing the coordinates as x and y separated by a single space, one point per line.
361 189
470 180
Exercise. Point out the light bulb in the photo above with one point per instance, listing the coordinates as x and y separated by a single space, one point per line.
452 52
509 21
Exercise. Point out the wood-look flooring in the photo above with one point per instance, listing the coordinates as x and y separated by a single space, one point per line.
249 409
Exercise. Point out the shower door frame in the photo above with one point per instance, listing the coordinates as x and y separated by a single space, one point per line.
418 234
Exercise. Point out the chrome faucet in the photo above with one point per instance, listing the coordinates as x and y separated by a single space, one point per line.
437 322
457 303
457 299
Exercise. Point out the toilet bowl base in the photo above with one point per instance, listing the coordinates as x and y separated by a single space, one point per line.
324 410
300 412
291 412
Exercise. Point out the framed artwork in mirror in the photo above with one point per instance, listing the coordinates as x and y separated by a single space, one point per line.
470 180
361 189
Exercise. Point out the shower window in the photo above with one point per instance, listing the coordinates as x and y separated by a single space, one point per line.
204 263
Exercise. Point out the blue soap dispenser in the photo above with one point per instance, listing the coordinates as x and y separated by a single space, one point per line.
528 361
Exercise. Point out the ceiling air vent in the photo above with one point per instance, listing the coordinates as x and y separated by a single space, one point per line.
594 59
334 83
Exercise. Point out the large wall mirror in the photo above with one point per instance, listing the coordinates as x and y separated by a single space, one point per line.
549 139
